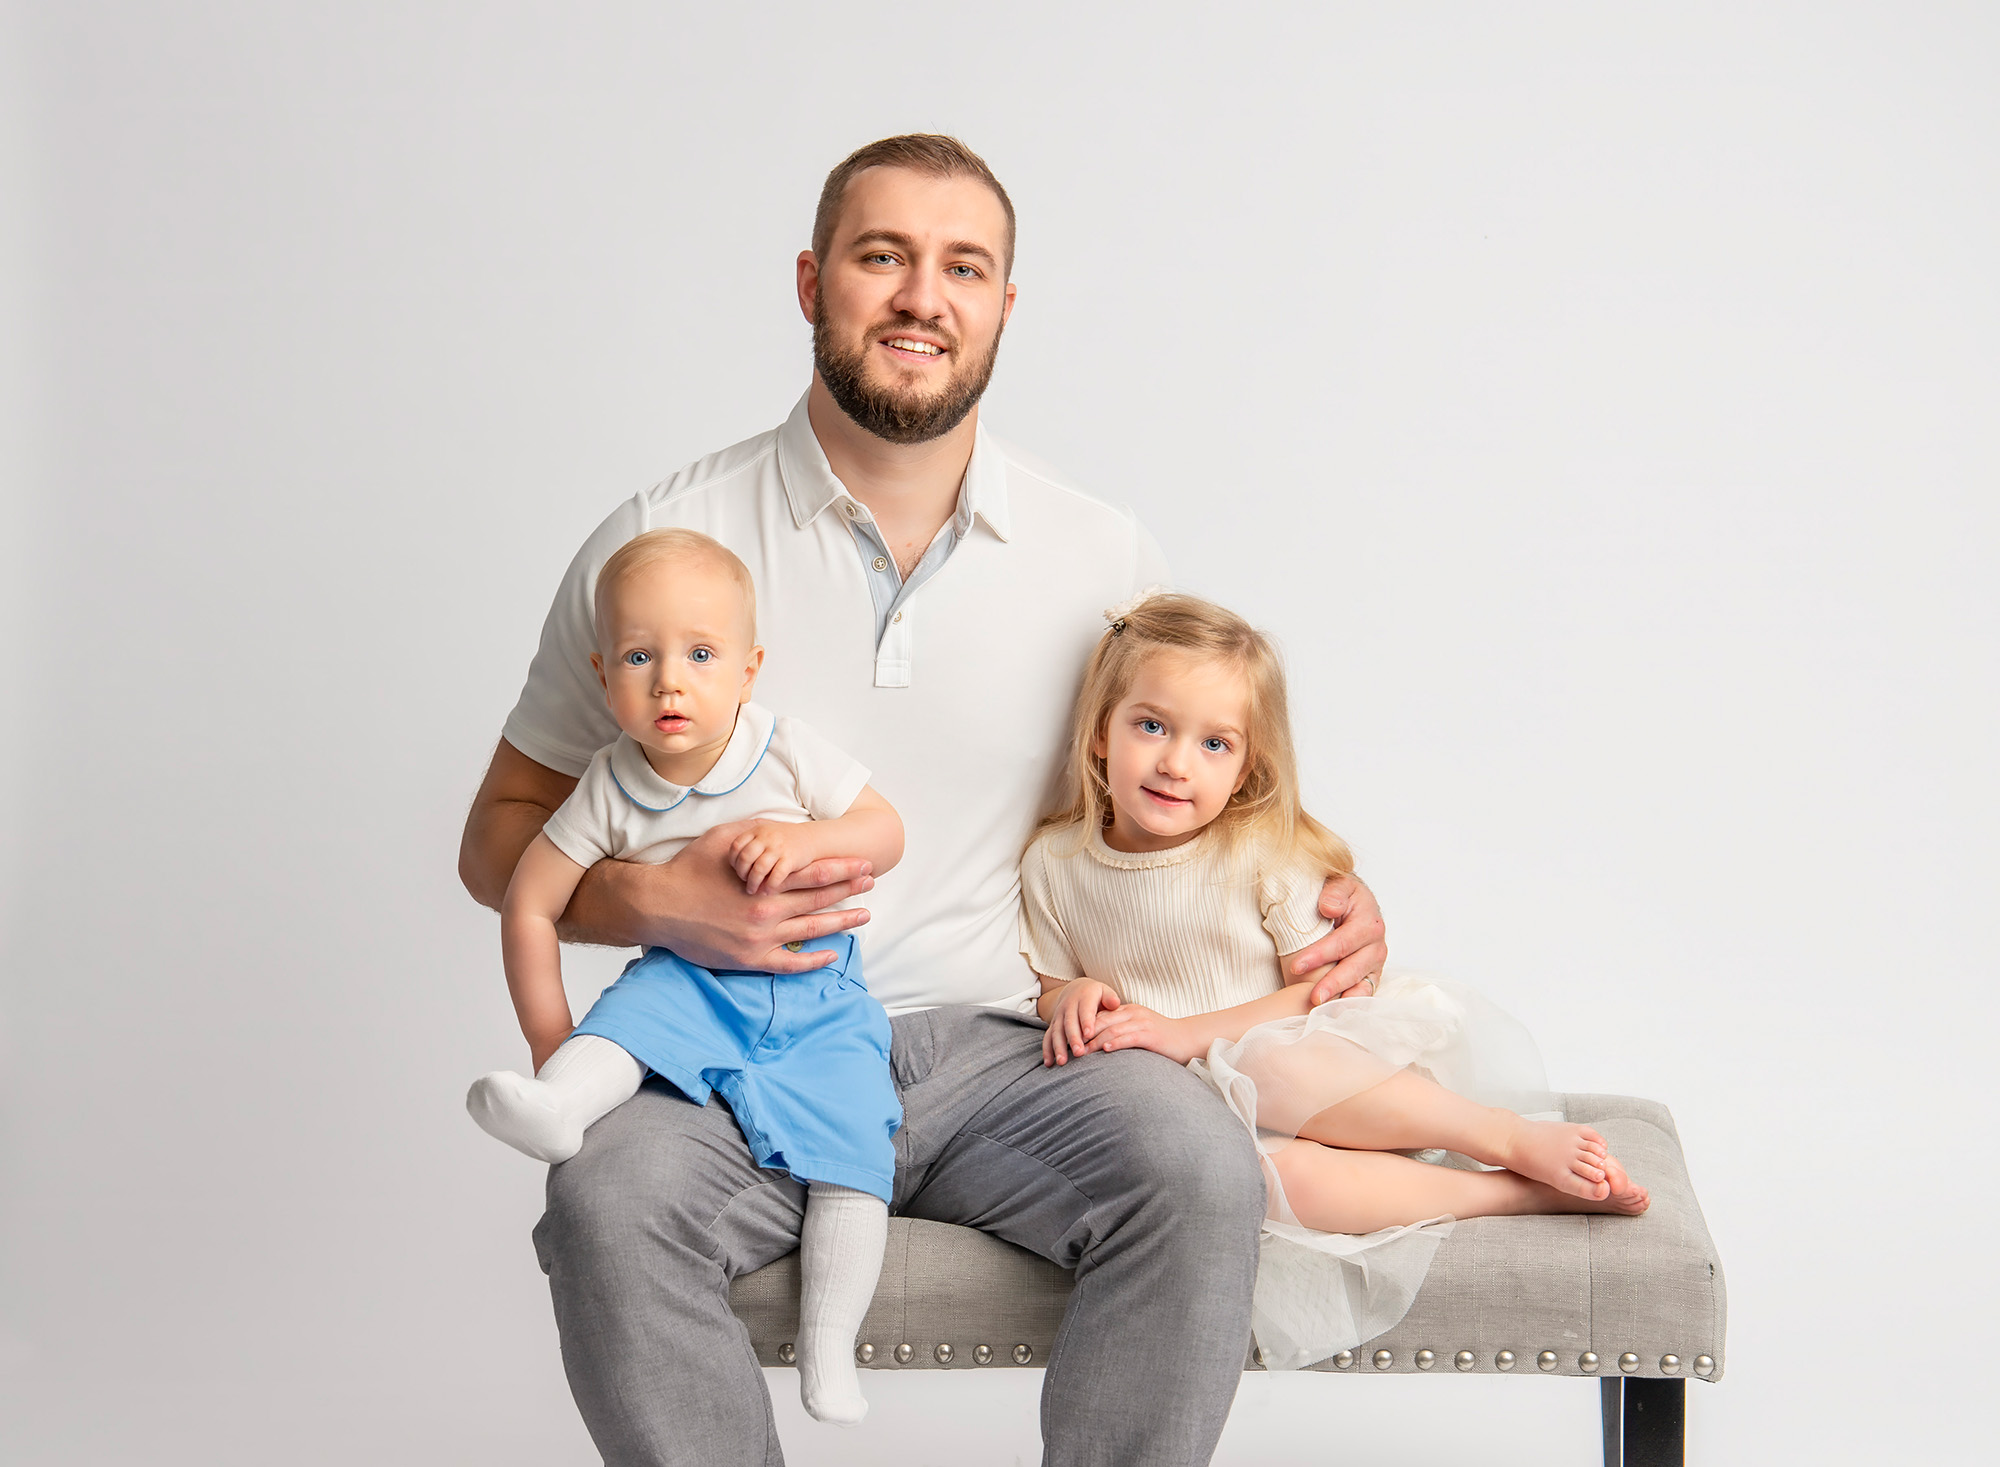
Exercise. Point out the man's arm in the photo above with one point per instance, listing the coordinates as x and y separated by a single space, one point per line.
1356 948
693 904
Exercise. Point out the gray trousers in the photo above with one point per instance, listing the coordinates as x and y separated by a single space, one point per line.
1123 1167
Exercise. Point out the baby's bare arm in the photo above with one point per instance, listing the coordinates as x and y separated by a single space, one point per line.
542 885
765 852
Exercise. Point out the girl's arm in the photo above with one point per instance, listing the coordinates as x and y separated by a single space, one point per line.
765 852
541 888
1134 1026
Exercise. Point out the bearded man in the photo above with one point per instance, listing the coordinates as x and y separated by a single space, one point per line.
929 597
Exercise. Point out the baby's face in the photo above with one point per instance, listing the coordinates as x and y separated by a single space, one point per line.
675 655
1174 750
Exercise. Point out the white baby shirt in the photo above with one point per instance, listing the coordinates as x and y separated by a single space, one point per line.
772 769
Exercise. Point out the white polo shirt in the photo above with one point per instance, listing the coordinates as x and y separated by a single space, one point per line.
961 708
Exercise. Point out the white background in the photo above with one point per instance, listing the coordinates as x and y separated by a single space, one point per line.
1600 404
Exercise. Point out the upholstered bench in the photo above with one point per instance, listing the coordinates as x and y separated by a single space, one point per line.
1635 1302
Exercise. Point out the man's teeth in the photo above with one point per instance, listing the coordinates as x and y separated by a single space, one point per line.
903 343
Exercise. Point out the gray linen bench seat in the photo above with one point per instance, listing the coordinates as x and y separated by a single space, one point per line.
1636 1303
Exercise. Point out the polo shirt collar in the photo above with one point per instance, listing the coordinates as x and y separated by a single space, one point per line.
644 787
810 484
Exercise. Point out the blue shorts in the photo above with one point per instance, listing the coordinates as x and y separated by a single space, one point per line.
802 1059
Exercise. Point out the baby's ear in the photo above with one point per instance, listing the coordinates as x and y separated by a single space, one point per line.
597 666
751 667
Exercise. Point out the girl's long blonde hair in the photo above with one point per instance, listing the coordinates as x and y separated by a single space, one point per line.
1265 813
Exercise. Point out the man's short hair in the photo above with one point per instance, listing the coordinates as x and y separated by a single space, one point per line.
932 154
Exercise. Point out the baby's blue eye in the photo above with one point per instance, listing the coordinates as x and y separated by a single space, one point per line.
701 654
1152 726
1216 746
637 659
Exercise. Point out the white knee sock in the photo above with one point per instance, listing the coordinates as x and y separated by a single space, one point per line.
546 1116
840 1259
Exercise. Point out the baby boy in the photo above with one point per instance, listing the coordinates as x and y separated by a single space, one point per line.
802 1060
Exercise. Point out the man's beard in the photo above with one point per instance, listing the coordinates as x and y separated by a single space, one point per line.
897 417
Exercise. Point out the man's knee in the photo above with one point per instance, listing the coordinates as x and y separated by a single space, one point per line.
645 1179
1189 1152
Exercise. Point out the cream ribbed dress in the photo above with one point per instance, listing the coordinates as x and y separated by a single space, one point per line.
1195 929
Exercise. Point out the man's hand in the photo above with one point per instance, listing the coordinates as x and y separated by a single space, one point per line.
1134 1026
1080 1003
696 905
1356 949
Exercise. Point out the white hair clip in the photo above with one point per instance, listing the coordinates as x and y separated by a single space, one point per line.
1116 614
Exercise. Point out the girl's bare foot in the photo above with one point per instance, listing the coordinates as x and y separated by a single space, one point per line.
1627 1196
1569 1158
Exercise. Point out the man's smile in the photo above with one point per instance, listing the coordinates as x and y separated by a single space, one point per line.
914 346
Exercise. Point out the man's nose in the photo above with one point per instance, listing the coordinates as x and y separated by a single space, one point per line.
919 295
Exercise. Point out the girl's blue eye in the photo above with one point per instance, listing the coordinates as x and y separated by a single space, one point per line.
1216 746
638 659
701 654
1152 726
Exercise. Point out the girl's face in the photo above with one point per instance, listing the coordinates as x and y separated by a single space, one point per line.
1174 751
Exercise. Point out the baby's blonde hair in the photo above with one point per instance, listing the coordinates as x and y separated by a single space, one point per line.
1265 812
670 545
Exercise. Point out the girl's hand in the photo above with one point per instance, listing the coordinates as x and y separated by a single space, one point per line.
1079 1011
1135 1026
765 852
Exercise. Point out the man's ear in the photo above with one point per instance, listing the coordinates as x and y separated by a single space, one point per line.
1007 311
750 671
808 282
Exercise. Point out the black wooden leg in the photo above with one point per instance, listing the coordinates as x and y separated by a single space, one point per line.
1644 1422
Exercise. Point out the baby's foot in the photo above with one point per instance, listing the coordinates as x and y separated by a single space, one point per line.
524 1114
829 1384
1568 1157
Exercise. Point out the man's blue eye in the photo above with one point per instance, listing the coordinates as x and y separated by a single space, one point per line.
701 654
638 659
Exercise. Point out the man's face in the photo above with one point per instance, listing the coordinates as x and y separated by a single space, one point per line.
908 304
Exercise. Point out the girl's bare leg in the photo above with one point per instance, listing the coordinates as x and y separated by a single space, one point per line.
1408 1112
1340 1191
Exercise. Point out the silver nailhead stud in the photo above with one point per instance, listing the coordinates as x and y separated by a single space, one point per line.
787 1354
1704 1365
1587 1362
864 1353
1628 1362
1022 1354
1504 1360
1344 1360
1546 1360
1670 1365
904 1354
982 1354
943 1353
1426 1359
1465 1360
1383 1359
1263 1355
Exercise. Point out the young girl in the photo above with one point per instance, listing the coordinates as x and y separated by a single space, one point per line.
1160 907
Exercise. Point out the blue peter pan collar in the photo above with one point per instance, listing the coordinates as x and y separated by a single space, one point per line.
642 785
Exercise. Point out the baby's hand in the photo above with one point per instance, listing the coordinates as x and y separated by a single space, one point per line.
765 852
1135 1026
1078 1011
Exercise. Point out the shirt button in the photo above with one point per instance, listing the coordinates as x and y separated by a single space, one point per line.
881 562
853 510
897 617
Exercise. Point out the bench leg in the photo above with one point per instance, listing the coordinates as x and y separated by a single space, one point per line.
1644 1422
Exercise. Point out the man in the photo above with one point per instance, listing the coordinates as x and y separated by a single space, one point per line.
929 597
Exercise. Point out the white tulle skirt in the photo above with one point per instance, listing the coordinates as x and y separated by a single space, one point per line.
1320 1293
